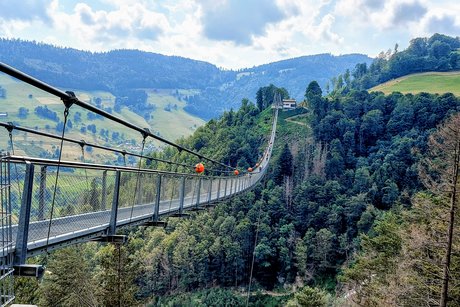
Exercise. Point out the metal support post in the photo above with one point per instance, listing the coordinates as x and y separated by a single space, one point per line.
218 189
115 200
182 196
210 191
24 216
198 192
156 207
225 190
156 210
42 194
231 186
104 190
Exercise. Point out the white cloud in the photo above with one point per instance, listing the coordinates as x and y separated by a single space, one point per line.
446 24
229 33
324 30
238 20
443 19
26 10
381 15
10 28
122 27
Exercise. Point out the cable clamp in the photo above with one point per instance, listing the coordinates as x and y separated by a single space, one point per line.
69 100
10 127
82 143
146 133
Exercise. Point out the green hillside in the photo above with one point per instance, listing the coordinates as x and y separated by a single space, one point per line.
429 82
168 120
207 89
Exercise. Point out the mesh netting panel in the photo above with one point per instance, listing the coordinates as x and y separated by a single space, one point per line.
204 190
17 174
6 243
147 189
82 201
231 186
224 185
137 195
214 188
170 190
190 191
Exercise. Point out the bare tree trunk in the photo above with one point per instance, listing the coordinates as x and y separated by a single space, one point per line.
288 188
450 232
319 160
439 172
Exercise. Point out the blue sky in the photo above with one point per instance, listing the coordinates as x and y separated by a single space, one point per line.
230 33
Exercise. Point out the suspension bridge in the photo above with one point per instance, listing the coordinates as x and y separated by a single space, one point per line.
50 203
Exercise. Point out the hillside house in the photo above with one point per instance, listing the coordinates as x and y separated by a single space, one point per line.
289 104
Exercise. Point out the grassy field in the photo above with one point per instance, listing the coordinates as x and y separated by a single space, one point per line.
430 82
169 120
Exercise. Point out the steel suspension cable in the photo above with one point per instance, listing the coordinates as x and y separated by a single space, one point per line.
10 125
71 96
137 180
66 114
83 160
253 255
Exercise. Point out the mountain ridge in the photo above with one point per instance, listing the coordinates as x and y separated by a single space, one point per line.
121 70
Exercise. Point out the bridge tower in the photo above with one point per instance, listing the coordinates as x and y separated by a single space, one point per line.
6 243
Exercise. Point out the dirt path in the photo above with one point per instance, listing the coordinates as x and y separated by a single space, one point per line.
270 293
292 119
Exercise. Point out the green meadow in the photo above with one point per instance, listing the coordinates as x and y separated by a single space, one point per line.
169 120
429 82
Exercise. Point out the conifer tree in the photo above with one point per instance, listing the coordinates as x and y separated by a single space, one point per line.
68 280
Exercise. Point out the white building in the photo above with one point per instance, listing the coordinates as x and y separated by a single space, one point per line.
289 104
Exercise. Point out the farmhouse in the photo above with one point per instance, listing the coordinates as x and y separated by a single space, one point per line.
289 104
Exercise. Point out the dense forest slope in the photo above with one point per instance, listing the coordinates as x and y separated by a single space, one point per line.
331 191
436 53
211 90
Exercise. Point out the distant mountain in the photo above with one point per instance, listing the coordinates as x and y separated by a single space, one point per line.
214 89
293 74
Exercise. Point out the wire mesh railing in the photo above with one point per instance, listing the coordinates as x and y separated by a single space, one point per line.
85 197
7 242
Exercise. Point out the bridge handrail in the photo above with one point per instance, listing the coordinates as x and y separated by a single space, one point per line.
84 143
96 166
